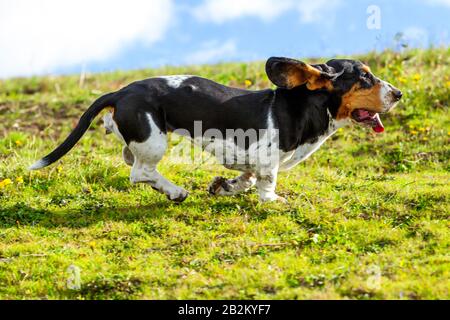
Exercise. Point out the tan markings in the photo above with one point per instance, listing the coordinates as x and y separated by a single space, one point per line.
366 68
358 98
298 75
319 83
295 77
312 71
248 175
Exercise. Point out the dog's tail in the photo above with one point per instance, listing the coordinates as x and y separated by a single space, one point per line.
82 126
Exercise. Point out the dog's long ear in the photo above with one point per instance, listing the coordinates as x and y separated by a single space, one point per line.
290 73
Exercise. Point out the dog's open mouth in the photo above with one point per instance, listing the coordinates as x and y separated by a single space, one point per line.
368 118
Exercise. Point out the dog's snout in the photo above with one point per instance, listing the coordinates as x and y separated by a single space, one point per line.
397 94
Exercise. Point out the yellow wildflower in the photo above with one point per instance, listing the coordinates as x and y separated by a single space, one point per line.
424 139
92 245
414 132
248 83
59 169
18 142
447 84
5 183
402 80
422 129
19 179
416 77
411 126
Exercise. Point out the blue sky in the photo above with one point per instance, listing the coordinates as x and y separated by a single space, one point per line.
54 37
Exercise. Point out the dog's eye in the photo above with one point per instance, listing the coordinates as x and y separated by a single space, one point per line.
367 76
366 80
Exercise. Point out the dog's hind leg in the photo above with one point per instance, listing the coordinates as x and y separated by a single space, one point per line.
127 156
111 127
223 187
142 129
146 156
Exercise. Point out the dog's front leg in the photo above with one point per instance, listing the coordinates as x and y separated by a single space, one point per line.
223 187
266 182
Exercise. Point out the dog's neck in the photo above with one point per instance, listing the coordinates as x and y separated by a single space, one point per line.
305 114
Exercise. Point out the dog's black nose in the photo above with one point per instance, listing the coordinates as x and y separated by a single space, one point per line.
397 94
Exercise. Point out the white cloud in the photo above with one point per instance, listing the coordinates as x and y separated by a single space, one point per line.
220 11
37 36
212 51
317 10
439 2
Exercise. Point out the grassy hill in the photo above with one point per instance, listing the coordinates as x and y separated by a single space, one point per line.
368 215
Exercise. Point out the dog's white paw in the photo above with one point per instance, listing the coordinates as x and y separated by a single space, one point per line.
271 197
178 196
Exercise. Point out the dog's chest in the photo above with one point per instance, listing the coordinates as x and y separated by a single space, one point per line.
290 159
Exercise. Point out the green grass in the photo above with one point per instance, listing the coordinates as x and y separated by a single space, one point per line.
368 215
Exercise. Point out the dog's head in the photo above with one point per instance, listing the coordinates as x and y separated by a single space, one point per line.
362 95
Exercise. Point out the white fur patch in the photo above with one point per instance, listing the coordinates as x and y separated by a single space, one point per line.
267 172
175 81
38 165
385 95
151 150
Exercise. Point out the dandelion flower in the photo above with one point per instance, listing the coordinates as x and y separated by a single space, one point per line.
5 183
59 169
248 83
19 179
92 245
416 77
18 142
414 132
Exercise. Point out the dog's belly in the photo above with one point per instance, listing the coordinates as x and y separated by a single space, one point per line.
241 160
231 155
262 152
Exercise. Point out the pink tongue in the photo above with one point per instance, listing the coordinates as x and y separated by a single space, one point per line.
377 126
